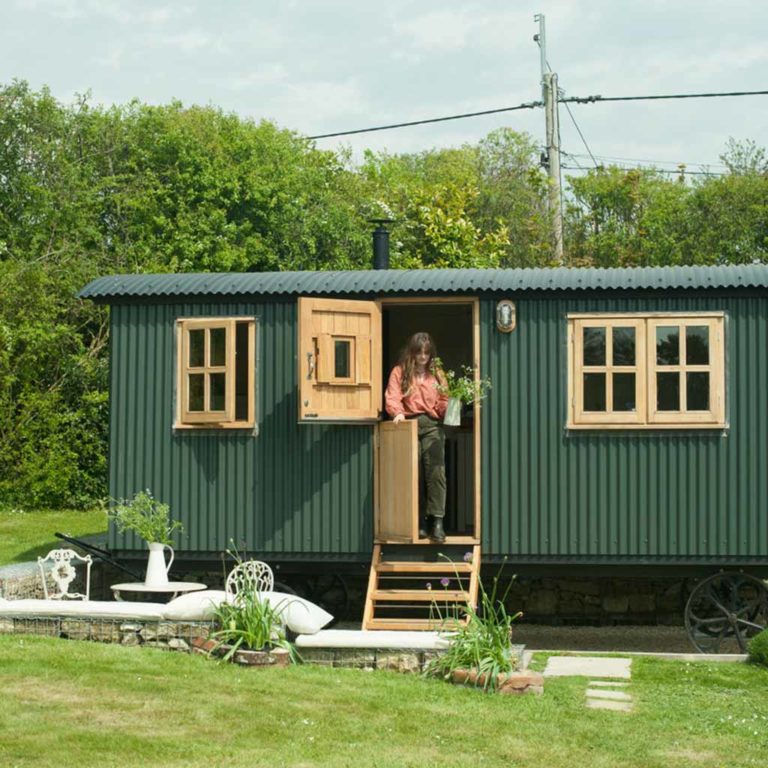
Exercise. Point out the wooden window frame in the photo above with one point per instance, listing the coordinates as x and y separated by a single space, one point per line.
646 415
207 419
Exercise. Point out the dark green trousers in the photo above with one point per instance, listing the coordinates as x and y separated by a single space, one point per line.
432 465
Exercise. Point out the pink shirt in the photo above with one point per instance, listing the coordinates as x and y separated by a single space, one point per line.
424 396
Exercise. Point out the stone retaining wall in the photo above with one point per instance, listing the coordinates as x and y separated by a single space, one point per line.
600 600
168 635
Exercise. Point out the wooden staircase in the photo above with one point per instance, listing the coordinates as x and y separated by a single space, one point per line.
417 587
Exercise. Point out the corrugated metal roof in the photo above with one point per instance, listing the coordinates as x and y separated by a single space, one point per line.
423 281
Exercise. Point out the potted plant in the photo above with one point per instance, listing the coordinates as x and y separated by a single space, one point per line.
149 518
250 632
466 387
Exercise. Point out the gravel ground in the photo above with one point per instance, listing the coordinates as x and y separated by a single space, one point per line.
650 639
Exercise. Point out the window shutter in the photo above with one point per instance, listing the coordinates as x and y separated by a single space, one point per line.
340 375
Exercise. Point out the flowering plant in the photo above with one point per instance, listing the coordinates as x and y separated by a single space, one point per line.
467 386
481 639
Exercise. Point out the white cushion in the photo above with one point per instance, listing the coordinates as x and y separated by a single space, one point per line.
102 609
195 606
298 614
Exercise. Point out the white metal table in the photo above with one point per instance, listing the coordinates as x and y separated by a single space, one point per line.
172 588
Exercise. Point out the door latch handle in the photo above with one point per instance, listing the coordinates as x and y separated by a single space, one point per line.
311 365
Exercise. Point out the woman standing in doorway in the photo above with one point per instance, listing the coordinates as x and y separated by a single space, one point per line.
413 393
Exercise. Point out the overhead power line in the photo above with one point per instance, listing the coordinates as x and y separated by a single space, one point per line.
679 171
534 105
527 105
575 124
676 163
583 140
595 99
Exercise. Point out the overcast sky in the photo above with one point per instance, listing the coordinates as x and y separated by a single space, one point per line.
334 65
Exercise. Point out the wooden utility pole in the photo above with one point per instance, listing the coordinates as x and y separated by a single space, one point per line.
549 96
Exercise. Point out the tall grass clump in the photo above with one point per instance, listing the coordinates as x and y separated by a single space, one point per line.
248 622
483 643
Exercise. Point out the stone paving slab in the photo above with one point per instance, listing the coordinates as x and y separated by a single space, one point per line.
607 693
614 706
588 666
606 684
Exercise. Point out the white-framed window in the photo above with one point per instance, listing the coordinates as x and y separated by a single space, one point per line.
216 358
646 371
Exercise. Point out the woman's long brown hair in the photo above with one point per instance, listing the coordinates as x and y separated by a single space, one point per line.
416 343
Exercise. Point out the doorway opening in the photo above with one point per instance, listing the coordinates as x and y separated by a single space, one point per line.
453 324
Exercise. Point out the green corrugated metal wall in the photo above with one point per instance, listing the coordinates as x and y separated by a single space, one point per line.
547 495
292 488
598 496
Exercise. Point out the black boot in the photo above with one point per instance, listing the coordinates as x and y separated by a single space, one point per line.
438 534
424 528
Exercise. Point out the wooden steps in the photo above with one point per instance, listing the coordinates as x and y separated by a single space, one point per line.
412 588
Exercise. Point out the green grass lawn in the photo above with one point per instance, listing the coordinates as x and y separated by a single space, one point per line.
25 535
98 705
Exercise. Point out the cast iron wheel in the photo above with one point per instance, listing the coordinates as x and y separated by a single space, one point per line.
724 611
328 590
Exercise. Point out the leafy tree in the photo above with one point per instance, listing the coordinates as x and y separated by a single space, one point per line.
476 206
626 218
639 217
744 157
513 193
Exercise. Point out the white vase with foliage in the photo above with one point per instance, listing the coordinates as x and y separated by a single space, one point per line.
466 387
149 518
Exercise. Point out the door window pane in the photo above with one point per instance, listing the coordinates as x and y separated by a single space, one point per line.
594 392
623 346
697 390
668 391
196 392
218 346
218 388
342 354
624 392
197 348
697 345
668 345
594 346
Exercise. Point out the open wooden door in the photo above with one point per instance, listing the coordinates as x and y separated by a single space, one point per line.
397 513
339 360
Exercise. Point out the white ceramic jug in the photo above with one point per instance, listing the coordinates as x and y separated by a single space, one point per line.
157 570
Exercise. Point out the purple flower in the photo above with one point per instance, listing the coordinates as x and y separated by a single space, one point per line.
444 582
467 557
429 585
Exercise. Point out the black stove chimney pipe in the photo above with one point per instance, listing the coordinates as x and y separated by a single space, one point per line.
381 243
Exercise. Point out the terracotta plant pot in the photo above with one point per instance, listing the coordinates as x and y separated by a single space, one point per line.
506 683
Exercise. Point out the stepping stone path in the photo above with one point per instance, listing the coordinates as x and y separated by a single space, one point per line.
601 694
605 695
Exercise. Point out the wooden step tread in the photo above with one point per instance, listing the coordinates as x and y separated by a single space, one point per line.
421 595
406 624
404 566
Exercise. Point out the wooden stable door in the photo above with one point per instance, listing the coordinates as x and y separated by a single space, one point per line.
397 514
339 360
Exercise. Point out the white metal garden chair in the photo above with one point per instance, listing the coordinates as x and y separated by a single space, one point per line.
251 575
63 574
